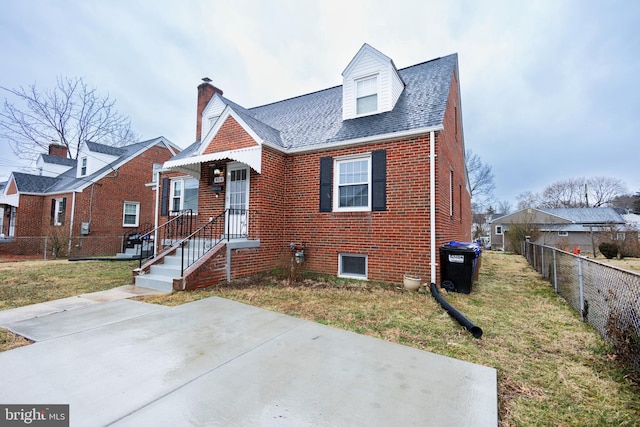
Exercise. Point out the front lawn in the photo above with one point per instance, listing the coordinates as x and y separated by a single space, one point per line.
552 368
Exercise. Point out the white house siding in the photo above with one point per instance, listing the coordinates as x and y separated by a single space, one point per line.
368 65
214 108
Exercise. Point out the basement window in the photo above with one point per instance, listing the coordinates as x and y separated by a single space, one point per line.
352 266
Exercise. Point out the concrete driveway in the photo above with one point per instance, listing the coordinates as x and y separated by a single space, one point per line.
219 362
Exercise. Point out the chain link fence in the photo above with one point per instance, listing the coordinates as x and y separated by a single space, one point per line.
51 247
605 296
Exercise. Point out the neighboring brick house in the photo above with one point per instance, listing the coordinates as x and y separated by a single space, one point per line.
564 228
83 207
367 178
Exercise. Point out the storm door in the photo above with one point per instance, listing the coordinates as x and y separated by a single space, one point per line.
237 200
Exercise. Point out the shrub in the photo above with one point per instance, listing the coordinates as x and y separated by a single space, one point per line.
609 250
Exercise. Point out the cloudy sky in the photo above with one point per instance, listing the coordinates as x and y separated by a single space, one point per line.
550 89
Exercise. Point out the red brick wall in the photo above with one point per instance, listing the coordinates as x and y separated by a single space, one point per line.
231 136
103 209
284 205
12 189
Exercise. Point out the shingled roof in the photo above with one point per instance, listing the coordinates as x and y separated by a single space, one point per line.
313 120
587 215
67 181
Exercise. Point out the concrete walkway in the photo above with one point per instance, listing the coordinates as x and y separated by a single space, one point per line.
219 362
65 304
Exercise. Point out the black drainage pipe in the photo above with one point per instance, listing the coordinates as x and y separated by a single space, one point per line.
475 330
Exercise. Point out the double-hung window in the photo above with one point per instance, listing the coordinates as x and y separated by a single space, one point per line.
352 184
131 214
367 95
184 194
83 166
58 208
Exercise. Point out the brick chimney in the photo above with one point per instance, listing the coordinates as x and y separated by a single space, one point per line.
58 150
205 92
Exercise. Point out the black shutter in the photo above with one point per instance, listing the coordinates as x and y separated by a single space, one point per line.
379 180
326 175
164 202
53 211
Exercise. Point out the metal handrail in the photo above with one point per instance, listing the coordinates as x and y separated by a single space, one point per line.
177 227
230 224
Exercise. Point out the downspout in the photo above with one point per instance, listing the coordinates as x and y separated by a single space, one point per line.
73 212
432 203
155 218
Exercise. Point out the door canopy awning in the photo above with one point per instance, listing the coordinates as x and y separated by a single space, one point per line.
191 165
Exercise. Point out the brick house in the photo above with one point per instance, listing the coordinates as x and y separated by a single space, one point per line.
365 179
83 207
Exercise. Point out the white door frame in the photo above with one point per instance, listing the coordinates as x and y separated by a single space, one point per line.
237 222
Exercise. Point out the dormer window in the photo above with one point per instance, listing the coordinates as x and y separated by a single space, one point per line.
367 95
371 84
212 121
83 166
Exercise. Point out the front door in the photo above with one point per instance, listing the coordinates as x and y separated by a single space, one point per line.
237 200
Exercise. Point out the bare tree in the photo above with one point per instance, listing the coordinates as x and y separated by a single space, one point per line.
70 114
603 190
528 199
574 193
504 207
481 181
565 194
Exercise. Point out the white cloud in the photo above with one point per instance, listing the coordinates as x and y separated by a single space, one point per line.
547 86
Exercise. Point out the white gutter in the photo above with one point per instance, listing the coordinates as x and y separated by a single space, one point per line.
155 217
356 141
432 203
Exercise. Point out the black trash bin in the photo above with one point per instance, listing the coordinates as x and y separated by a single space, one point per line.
459 264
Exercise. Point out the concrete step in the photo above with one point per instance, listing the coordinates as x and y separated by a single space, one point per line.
167 270
154 281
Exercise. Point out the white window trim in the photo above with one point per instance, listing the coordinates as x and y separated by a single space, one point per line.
182 194
498 230
563 233
355 95
137 205
336 183
84 163
56 217
354 276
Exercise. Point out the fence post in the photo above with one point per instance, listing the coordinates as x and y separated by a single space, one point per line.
534 258
46 239
542 269
581 288
555 272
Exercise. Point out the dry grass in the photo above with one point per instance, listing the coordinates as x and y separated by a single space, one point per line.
552 368
30 282
631 264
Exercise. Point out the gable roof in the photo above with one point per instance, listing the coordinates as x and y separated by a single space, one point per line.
67 181
587 215
105 149
28 183
582 216
314 120
58 160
